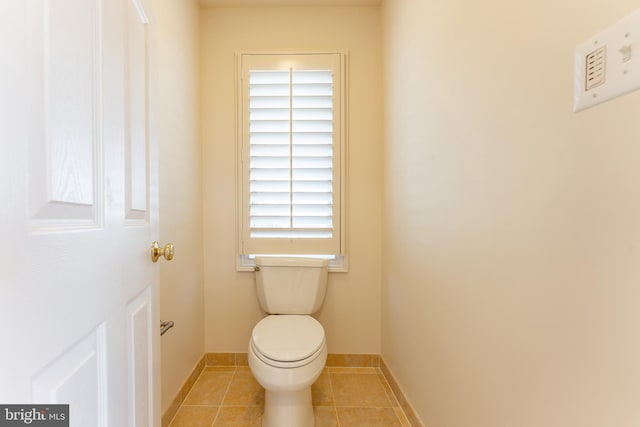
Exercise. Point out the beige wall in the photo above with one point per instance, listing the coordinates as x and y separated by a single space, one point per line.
351 313
511 282
181 280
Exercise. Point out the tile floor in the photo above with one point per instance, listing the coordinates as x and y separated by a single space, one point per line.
342 397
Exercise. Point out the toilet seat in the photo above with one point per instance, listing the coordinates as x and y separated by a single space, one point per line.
287 341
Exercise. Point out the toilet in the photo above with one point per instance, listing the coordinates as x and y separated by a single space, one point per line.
287 349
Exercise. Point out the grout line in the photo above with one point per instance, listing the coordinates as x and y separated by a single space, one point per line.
182 392
240 406
202 406
235 370
406 406
366 407
333 397
189 393
182 404
395 402
388 390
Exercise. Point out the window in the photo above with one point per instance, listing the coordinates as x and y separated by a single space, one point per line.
291 151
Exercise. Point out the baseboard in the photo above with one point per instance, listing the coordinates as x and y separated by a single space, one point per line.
333 360
226 359
353 360
182 393
397 391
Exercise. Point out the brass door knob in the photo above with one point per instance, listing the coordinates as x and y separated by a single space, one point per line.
157 251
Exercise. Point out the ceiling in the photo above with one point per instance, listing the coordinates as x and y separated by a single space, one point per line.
280 3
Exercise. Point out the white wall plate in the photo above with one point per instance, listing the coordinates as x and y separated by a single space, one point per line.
608 64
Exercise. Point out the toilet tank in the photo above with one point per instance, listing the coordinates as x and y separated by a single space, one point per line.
291 285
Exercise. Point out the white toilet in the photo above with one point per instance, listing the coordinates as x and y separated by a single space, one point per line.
288 351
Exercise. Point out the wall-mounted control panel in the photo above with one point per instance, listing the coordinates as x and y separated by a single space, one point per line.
608 64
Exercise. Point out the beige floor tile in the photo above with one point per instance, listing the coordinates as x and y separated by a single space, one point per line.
359 390
219 369
368 417
210 388
194 416
325 416
346 397
239 416
321 393
244 390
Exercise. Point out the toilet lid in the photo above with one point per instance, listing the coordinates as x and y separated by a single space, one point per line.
288 338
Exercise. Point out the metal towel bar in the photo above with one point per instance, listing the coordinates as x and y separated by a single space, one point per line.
165 326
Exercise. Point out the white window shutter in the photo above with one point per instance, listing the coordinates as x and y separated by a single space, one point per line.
291 164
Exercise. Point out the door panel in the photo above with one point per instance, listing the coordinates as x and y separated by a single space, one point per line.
140 330
137 182
77 378
64 140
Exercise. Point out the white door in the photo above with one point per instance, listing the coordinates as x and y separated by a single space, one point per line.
78 291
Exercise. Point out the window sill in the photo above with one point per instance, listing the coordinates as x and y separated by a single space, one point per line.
336 265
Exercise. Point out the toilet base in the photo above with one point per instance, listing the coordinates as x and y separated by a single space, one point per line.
288 409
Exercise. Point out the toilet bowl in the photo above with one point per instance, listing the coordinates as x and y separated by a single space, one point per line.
287 349
286 356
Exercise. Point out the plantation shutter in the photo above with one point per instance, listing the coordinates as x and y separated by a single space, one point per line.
291 155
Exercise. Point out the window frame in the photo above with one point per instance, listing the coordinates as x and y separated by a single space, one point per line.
245 262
